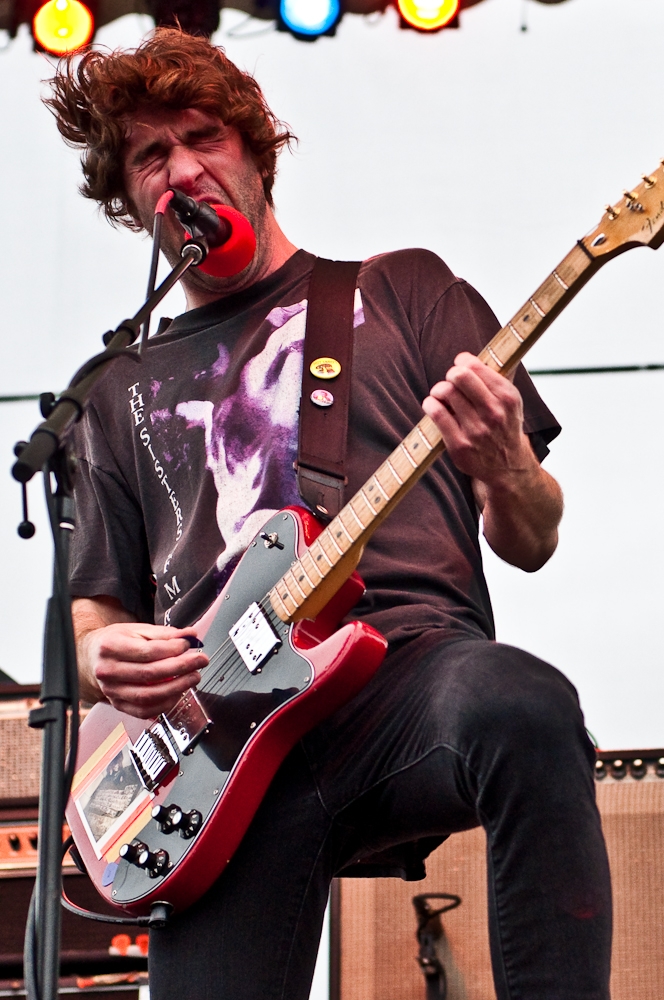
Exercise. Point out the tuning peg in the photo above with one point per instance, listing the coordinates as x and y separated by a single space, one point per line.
649 181
612 212
633 204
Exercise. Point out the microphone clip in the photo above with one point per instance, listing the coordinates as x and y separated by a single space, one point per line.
200 220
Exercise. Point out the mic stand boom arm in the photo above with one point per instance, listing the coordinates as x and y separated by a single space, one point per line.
46 451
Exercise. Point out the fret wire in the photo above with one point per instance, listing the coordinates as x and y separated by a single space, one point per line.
346 531
514 331
308 555
289 597
355 514
334 541
323 552
296 583
367 501
560 280
495 357
377 481
306 575
408 455
419 431
275 597
537 308
394 472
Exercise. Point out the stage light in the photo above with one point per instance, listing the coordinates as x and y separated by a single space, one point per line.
307 19
428 15
62 26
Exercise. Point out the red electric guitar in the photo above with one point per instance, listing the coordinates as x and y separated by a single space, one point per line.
157 812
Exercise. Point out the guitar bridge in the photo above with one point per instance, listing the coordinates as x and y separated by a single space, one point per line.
154 753
158 749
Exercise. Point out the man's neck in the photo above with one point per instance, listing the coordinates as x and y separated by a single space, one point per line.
273 251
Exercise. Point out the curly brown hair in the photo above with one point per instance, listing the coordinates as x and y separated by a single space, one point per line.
92 99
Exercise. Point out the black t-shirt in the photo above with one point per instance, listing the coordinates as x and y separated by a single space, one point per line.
184 456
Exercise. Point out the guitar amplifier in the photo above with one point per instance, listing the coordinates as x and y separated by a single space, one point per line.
374 948
97 960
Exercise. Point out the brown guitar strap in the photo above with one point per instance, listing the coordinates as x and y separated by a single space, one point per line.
328 344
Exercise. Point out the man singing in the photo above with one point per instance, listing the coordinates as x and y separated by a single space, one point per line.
182 460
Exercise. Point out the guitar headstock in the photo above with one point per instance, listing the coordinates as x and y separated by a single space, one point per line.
637 219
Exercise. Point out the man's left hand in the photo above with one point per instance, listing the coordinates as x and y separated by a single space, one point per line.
480 415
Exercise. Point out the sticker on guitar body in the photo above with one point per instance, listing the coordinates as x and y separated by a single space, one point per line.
110 798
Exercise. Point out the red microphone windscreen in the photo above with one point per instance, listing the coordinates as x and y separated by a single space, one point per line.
233 255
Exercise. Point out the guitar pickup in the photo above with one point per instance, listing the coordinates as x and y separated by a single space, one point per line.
254 637
187 722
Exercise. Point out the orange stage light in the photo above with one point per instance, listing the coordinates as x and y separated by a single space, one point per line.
428 15
62 26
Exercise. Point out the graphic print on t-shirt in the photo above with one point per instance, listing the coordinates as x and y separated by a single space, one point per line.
250 440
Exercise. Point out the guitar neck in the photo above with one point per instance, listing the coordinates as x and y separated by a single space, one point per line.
316 576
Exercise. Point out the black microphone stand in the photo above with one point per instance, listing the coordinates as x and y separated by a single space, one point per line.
59 692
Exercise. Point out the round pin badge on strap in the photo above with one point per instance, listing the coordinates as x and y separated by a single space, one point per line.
321 397
325 368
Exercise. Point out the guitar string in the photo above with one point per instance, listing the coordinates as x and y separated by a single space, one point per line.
231 669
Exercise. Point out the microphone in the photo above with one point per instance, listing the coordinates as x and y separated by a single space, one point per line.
228 233
199 215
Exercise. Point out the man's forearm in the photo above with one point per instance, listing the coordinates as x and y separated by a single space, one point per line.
90 614
521 517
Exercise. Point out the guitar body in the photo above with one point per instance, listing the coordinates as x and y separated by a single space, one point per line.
253 717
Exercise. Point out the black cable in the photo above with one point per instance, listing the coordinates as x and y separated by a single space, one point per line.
29 950
103 918
598 370
601 370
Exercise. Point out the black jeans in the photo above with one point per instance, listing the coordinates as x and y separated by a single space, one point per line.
468 732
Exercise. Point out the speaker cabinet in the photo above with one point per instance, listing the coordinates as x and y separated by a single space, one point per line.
374 953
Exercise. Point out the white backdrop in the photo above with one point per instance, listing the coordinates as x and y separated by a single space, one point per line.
496 148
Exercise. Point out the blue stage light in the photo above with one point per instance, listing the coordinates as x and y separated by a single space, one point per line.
309 18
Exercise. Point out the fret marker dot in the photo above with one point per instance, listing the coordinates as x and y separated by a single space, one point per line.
338 534
318 557
300 578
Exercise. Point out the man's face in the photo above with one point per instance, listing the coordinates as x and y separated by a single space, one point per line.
196 153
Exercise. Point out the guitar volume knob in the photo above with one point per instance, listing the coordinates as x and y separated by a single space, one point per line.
191 824
131 852
154 862
139 854
169 818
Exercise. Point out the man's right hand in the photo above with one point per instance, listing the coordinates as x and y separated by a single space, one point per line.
138 668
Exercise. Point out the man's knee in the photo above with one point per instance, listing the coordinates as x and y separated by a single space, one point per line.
508 697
